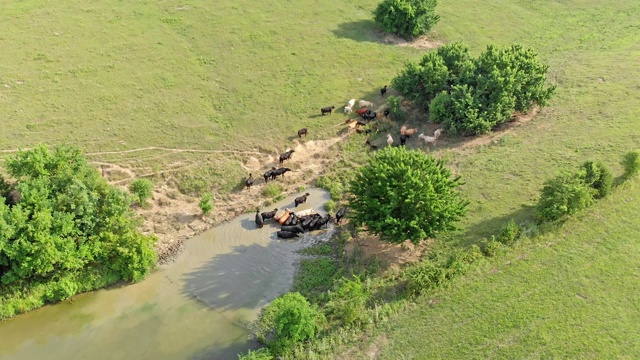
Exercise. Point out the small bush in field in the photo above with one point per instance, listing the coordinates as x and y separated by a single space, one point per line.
510 233
395 104
492 247
348 300
288 320
206 203
272 190
461 260
631 163
564 195
142 190
424 276
598 176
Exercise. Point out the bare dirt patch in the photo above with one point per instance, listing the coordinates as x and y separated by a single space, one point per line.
422 42
392 256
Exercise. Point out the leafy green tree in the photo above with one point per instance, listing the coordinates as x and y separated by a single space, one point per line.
287 320
142 190
69 224
402 194
564 195
407 18
631 163
421 82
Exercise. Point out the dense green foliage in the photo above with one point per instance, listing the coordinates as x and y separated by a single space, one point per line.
471 96
288 320
206 203
568 193
395 108
407 18
631 163
403 194
69 225
564 195
141 189
597 176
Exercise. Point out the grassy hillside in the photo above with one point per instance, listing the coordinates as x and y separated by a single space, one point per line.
572 294
239 75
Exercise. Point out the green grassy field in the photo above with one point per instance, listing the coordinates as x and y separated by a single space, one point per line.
116 76
242 75
570 295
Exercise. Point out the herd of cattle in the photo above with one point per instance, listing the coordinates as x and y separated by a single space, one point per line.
294 223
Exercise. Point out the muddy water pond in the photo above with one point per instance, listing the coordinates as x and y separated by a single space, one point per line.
194 308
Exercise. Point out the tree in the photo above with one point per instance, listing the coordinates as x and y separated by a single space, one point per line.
403 194
471 96
68 223
407 18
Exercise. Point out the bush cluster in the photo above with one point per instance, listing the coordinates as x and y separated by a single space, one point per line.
569 193
472 95
68 232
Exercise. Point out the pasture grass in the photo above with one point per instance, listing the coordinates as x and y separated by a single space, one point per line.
567 294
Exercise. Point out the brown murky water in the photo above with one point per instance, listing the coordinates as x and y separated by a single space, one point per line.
194 308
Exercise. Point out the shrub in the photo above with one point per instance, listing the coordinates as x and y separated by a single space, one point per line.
404 194
564 195
395 108
424 276
330 206
510 233
348 300
460 261
407 18
597 176
272 190
492 247
206 203
631 163
142 190
288 320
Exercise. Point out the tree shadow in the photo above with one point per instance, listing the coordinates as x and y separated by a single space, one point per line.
524 215
248 277
361 30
